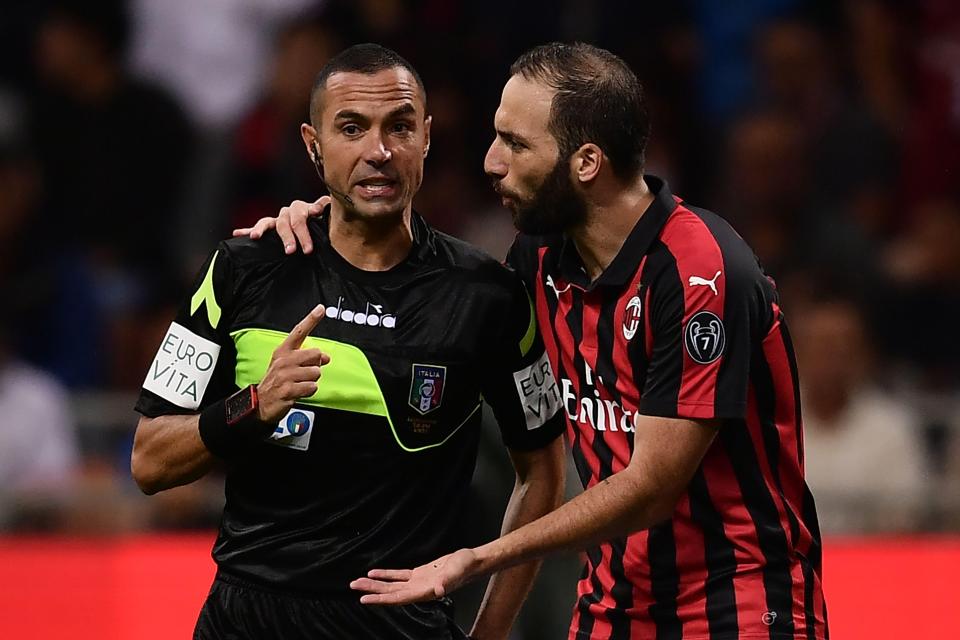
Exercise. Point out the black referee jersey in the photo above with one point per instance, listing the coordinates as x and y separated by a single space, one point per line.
373 469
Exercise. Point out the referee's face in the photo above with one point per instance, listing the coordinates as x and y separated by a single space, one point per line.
372 136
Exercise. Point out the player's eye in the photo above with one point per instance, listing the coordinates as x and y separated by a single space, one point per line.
401 127
515 145
351 129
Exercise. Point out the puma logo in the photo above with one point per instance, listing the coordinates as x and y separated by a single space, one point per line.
697 280
552 285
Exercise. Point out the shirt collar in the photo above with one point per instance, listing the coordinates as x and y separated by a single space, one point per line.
424 237
627 260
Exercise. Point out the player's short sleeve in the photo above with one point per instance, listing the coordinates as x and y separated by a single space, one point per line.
703 314
519 383
194 361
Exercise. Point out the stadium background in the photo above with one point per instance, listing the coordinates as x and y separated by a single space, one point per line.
134 135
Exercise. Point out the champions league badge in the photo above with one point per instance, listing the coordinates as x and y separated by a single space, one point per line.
704 337
426 387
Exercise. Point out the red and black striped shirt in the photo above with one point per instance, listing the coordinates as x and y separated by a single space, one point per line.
684 324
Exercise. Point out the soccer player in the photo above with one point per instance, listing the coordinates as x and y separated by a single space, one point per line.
341 390
676 372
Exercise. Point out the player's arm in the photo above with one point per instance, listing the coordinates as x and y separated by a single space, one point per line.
667 453
172 450
538 489
673 432
290 223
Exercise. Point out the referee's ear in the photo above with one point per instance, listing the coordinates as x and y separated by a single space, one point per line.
309 136
426 135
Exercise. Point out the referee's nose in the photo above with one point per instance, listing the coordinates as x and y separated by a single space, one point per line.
376 152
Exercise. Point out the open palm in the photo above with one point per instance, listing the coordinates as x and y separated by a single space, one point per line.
427 582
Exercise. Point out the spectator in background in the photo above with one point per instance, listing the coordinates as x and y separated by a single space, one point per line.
113 146
862 452
38 281
766 169
214 56
113 150
268 166
923 296
850 185
927 88
38 445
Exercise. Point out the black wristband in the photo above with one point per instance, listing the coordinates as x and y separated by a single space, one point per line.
225 440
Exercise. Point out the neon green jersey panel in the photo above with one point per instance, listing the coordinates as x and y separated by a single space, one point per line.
207 293
348 382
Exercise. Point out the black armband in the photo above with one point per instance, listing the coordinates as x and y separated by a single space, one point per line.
229 425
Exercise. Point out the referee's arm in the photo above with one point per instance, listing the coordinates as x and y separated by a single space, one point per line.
537 491
173 450
168 452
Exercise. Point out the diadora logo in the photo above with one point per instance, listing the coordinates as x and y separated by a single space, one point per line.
593 411
371 316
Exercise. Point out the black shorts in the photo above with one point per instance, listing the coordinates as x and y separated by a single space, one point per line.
236 610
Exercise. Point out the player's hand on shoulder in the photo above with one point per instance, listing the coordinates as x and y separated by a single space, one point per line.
293 372
290 223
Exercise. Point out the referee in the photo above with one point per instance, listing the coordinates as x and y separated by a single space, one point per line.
341 390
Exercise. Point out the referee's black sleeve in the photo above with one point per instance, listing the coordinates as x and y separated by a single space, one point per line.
519 384
194 363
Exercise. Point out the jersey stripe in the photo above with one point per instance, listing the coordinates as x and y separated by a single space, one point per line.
720 557
662 552
582 322
548 307
589 591
664 262
697 255
615 438
749 461
723 490
691 605
789 479
629 357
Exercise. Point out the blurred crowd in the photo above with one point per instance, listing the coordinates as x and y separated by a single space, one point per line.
134 135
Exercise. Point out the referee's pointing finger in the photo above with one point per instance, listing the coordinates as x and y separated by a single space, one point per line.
303 329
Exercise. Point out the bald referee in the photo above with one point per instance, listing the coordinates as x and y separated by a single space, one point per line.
341 390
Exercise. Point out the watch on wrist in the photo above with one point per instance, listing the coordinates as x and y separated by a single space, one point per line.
241 405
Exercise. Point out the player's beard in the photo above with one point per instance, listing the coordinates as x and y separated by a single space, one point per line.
554 207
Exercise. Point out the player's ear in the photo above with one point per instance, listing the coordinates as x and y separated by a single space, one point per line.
585 163
426 135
